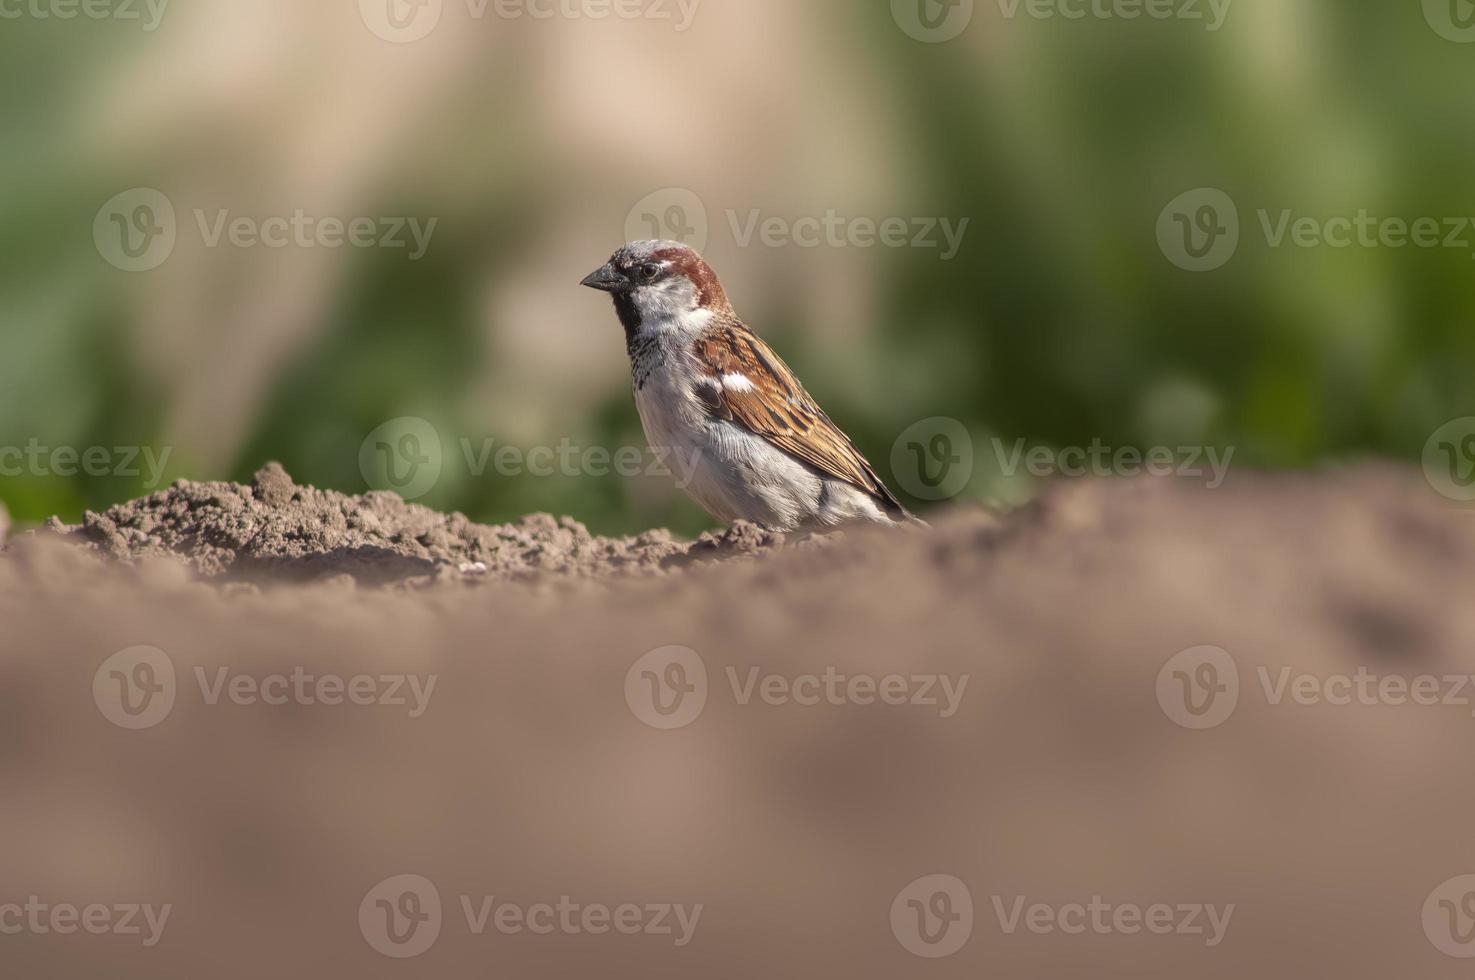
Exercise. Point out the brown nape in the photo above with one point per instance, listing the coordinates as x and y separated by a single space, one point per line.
709 290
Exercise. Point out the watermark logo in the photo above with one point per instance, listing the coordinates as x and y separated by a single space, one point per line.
1199 688
404 21
672 214
1365 230
933 916
1199 230
943 692
1208 463
1449 917
1212 12
679 13
679 214
303 230
401 916
409 691
149 12
1365 688
136 230
41 918
932 21
401 21
39 460
667 688
404 456
135 688
835 230
936 21
572 918
1101 917
1449 460
1453 20
933 459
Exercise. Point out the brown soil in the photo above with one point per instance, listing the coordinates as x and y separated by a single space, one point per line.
529 776
274 529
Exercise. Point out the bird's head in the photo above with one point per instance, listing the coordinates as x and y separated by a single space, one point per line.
659 282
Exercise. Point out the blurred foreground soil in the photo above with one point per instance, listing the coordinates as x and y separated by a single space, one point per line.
525 762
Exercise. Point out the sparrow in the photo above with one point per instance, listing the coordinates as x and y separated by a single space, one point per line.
711 392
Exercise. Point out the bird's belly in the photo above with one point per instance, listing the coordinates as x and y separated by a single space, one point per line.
732 473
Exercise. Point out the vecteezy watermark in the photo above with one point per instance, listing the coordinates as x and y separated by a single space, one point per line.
403 456
1449 917
668 688
673 213
1212 13
1200 688
1200 231
1101 460
39 918
137 231
680 215
933 459
932 917
36 459
1100 917
834 230
936 691
408 691
407 456
1449 460
404 21
935 21
402 917
1365 230
1453 20
1283 685
137 688
149 13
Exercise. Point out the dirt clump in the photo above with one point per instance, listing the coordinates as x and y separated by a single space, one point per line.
274 528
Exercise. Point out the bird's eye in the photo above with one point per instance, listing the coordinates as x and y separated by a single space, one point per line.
649 271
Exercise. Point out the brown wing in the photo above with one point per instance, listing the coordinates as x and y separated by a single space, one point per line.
745 382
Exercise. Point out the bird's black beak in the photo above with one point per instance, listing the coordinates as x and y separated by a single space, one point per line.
608 279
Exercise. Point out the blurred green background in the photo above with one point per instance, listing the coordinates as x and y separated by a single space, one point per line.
532 141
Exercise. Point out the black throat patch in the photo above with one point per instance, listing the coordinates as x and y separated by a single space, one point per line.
629 319
644 349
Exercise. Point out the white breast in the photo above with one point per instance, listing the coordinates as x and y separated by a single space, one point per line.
733 473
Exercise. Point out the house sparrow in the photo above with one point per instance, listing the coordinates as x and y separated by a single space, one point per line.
709 389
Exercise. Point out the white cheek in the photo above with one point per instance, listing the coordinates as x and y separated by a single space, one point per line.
671 309
669 298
